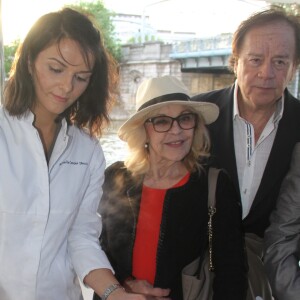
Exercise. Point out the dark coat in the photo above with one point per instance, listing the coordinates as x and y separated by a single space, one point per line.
223 154
183 232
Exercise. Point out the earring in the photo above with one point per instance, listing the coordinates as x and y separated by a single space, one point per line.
146 145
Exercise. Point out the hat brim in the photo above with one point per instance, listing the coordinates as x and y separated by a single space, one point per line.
208 111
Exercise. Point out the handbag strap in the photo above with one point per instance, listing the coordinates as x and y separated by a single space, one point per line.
212 184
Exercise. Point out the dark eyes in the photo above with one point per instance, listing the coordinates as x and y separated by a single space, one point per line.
161 121
78 77
277 63
55 70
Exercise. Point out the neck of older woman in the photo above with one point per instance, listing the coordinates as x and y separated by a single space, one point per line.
165 174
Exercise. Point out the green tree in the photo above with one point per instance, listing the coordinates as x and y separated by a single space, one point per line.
292 8
9 54
103 18
148 38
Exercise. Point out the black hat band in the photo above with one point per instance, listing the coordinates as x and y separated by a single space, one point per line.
165 98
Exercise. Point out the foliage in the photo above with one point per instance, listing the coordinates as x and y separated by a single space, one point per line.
138 40
292 8
103 19
9 54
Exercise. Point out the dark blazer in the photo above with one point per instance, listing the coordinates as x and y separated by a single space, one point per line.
223 154
183 231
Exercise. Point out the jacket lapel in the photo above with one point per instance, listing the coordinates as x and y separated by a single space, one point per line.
223 152
280 156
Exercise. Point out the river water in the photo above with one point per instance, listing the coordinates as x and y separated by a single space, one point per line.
114 149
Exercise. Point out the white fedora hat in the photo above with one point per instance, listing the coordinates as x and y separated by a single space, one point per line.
159 91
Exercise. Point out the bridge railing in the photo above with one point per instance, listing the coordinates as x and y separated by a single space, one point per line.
222 41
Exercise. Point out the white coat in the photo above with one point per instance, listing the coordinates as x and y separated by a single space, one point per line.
49 228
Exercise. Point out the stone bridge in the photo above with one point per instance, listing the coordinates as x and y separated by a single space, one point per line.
202 64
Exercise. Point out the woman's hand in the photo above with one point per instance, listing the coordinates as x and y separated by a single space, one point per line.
130 296
100 279
145 288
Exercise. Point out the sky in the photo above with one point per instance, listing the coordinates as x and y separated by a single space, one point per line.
204 17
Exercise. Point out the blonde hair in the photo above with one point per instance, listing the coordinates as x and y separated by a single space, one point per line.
138 158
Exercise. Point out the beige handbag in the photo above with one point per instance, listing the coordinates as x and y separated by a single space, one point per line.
197 278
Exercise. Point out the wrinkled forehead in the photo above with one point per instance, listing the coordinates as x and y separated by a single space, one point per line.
275 31
275 39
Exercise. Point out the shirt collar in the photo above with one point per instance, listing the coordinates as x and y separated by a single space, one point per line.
28 117
235 104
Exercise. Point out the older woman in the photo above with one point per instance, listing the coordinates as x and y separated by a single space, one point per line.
154 205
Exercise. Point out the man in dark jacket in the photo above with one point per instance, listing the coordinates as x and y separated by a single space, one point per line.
259 121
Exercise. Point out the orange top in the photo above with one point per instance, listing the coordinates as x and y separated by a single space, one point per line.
147 232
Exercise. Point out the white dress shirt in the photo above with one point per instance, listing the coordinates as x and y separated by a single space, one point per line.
49 227
251 157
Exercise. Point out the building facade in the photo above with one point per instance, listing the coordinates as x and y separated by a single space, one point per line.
202 65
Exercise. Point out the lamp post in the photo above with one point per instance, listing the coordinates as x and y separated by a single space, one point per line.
143 17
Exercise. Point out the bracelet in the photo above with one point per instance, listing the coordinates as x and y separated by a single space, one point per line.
111 289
